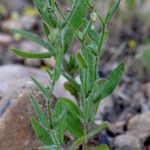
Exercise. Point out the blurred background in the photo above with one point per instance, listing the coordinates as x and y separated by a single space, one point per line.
128 108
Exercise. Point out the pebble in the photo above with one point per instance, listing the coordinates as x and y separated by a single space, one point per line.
5 39
141 124
128 140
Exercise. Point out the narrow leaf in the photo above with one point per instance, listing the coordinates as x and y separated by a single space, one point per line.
33 38
74 125
46 29
82 140
60 117
52 147
58 65
112 81
38 111
70 88
97 130
71 107
60 126
112 11
42 89
73 116
49 18
31 54
81 61
77 143
101 147
72 81
42 134
39 3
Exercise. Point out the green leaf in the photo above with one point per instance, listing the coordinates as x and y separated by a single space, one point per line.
31 54
42 89
77 143
70 66
58 65
81 61
52 147
33 38
92 50
60 113
83 139
70 88
42 134
71 106
60 118
49 18
90 75
74 125
92 33
73 116
41 116
101 147
72 81
112 81
131 4
97 130
112 11
87 28
75 19
46 30
39 3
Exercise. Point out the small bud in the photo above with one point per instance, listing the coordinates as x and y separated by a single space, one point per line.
93 16
67 9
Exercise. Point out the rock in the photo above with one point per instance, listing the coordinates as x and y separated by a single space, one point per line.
146 90
105 108
11 24
5 39
145 9
15 107
128 140
28 22
16 132
117 128
13 76
141 124
126 148
13 5
16 110
50 62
